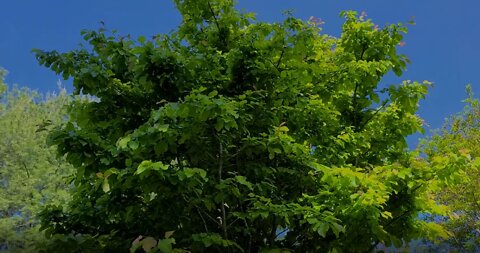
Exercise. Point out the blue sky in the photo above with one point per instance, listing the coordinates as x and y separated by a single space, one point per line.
443 45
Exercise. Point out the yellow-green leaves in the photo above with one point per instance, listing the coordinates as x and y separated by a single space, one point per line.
146 166
31 174
453 156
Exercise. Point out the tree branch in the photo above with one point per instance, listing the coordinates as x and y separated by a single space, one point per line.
249 249
26 169
220 172
364 48
237 153
210 217
201 216
213 15
273 232
280 59
231 223
388 224
475 201
281 232
355 123
373 115
395 219
354 105
203 220
217 24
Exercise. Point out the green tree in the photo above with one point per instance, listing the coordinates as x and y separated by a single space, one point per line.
30 174
239 135
461 135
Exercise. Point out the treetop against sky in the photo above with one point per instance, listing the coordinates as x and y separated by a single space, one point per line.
442 46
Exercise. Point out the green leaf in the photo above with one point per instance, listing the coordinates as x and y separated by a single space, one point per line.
166 245
283 129
149 165
202 173
219 124
105 185
133 144
144 166
243 181
271 156
189 172
163 127
337 228
213 93
110 172
323 229
123 142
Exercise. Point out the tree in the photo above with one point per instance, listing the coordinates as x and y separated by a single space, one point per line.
238 135
30 174
460 135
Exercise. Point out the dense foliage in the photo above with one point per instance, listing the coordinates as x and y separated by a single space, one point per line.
233 135
461 135
30 174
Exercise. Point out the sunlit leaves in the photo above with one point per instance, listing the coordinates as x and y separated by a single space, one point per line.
454 152
149 165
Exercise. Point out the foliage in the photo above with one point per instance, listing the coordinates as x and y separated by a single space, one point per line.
460 135
30 174
243 136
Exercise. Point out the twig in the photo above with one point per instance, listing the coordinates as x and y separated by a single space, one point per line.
26 169
373 115
201 216
280 59
354 105
231 223
273 232
203 220
213 14
249 248
216 23
281 232
238 152
210 217
364 47
395 220
222 207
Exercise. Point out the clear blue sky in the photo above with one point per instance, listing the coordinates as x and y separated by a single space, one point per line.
443 46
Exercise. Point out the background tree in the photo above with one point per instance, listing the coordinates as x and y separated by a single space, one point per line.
461 135
240 135
30 174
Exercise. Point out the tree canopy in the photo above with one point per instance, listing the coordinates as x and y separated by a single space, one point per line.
235 135
460 135
31 176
